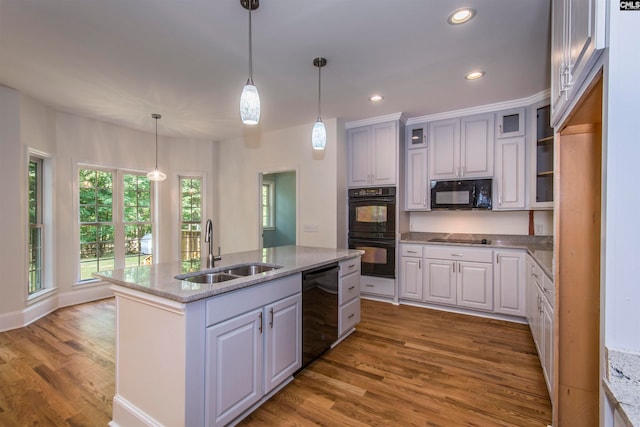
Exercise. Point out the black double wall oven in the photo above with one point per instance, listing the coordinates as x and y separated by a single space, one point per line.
372 225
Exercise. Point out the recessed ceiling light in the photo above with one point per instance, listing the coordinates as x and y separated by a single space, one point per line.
474 75
376 98
461 16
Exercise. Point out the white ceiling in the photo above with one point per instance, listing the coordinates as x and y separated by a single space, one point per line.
121 60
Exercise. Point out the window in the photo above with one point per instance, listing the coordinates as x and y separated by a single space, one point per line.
268 209
137 220
190 222
97 237
110 240
36 227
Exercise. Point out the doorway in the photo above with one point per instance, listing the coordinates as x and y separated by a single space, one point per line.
278 209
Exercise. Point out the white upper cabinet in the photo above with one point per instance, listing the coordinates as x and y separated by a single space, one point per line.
417 182
416 136
510 123
578 37
373 155
462 148
510 176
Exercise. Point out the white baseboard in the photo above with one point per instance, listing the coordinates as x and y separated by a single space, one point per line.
50 303
127 414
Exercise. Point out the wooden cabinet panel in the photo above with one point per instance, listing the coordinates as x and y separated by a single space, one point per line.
509 281
476 146
417 192
439 281
444 149
475 285
509 181
411 278
359 156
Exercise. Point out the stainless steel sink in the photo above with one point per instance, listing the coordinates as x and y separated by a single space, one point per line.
251 269
230 273
210 278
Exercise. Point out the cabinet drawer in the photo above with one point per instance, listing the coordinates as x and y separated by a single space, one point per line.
411 250
549 290
377 286
349 316
458 253
349 288
350 266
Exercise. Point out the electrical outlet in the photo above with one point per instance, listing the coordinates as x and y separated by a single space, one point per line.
539 229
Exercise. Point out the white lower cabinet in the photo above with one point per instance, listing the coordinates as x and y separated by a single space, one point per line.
248 355
509 279
348 296
540 302
438 274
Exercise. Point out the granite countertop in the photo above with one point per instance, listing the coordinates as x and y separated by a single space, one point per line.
622 385
539 247
159 279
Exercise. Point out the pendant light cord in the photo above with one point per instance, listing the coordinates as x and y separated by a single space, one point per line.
250 47
156 142
319 92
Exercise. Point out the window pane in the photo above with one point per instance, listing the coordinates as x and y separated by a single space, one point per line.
95 194
190 228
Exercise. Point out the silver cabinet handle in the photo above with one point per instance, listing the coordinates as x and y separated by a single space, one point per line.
351 288
271 321
500 129
351 315
260 327
369 286
419 264
457 254
412 252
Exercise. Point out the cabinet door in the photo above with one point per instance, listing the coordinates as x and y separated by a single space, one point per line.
557 56
444 149
439 281
510 174
531 297
509 289
547 338
384 153
510 123
283 340
411 278
233 367
359 157
416 136
476 146
580 31
417 181
475 285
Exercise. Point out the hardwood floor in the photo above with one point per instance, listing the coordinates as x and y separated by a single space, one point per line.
407 366
59 371
403 366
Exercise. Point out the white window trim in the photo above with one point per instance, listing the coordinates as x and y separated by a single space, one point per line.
272 209
48 243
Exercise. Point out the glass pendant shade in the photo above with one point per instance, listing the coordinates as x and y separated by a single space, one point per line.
319 135
250 105
156 175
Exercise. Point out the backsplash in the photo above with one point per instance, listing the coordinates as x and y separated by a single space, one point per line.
481 222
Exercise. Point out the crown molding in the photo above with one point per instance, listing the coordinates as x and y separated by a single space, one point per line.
498 106
376 120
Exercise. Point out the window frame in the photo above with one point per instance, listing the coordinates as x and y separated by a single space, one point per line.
191 264
270 205
117 216
39 224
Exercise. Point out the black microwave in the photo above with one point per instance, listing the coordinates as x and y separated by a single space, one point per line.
462 194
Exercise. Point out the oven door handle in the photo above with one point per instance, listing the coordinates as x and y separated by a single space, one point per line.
360 200
385 242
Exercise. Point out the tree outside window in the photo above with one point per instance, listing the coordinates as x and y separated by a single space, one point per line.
190 222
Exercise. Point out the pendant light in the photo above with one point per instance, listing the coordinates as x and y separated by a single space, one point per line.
250 100
156 175
319 132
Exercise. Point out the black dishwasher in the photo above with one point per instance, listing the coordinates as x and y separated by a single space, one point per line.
319 311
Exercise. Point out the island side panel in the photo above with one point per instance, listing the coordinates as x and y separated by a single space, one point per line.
150 361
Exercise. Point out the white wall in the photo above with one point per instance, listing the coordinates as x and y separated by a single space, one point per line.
13 227
478 222
68 140
242 159
622 198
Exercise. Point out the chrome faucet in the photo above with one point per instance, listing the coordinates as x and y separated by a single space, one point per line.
208 238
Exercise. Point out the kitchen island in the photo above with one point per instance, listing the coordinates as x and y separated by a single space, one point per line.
206 354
